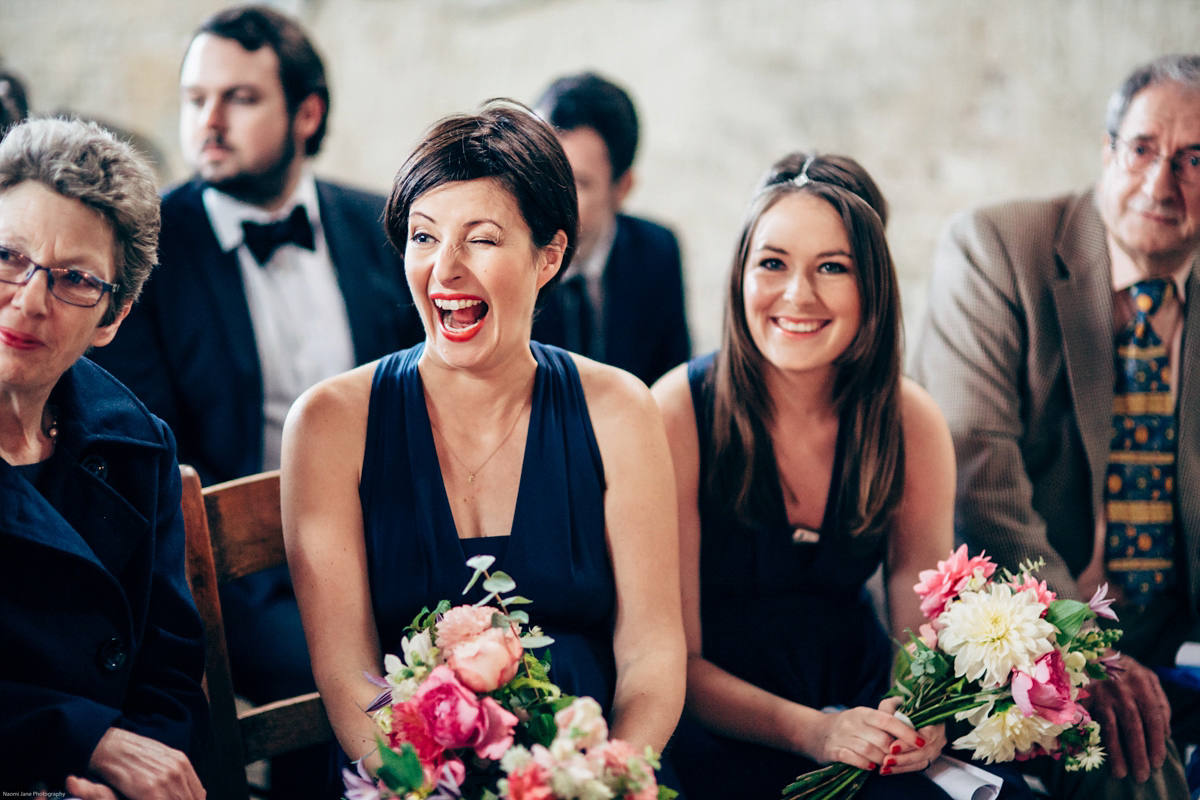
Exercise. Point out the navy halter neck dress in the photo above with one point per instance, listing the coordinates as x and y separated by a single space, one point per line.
556 550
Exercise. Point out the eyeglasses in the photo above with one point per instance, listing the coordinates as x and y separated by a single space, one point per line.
1139 156
72 285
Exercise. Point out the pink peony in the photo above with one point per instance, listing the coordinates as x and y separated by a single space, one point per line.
1032 584
1047 692
939 587
454 716
409 726
488 660
496 735
528 783
463 623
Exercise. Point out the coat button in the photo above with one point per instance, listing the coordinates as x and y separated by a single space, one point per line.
97 466
112 655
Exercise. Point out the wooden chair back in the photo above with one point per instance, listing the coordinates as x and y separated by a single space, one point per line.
234 529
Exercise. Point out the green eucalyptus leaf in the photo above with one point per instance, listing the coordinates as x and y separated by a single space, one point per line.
516 600
480 564
530 641
519 617
499 582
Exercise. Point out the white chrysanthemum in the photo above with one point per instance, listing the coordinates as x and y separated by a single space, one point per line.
991 633
1002 735
1087 760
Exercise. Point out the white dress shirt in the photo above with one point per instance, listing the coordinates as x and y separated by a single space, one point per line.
301 328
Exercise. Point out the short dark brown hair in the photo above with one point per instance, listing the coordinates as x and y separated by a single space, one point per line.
300 69
504 141
587 100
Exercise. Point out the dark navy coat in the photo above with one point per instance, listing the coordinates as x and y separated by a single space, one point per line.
97 626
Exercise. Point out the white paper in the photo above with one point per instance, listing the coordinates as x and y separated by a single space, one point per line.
963 781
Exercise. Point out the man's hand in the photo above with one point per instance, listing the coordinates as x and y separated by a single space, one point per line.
1134 717
143 769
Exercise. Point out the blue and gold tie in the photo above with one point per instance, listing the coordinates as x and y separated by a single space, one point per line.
1140 486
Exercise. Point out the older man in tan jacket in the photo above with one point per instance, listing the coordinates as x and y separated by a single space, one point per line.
1027 305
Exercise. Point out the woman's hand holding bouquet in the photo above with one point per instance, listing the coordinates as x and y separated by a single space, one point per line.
1002 653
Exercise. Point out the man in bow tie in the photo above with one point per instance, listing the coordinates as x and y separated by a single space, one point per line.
269 281
1062 345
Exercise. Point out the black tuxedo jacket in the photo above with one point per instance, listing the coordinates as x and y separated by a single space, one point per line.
644 326
187 349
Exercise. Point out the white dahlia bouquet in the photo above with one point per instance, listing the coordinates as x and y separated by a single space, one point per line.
1002 654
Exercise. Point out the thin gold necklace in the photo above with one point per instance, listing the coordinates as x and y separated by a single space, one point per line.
471 473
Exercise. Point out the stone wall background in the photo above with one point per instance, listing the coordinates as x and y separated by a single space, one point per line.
949 103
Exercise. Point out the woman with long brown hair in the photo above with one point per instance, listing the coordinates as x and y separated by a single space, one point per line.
804 460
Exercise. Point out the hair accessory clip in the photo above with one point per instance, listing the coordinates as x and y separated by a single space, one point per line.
802 179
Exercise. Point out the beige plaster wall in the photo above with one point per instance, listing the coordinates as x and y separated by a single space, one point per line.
948 102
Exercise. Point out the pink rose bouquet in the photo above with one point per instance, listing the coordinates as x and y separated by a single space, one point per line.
466 692
1004 655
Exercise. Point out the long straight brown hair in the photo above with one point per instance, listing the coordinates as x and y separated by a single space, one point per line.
742 472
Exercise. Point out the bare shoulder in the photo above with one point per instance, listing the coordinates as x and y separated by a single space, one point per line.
673 394
920 414
927 441
336 407
613 395
333 397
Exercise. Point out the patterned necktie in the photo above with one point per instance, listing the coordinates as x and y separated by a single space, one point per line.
263 239
1140 486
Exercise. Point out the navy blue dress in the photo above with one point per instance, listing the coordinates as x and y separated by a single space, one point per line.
792 618
556 553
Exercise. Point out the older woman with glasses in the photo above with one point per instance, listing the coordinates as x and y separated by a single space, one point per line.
100 683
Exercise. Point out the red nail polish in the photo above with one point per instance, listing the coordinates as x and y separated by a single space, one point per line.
885 771
895 748
871 765
920 742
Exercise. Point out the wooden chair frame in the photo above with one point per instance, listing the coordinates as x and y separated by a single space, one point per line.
234 529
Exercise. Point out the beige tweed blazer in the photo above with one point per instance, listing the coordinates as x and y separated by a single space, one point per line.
1017 349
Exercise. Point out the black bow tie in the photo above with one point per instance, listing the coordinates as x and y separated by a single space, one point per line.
263 239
